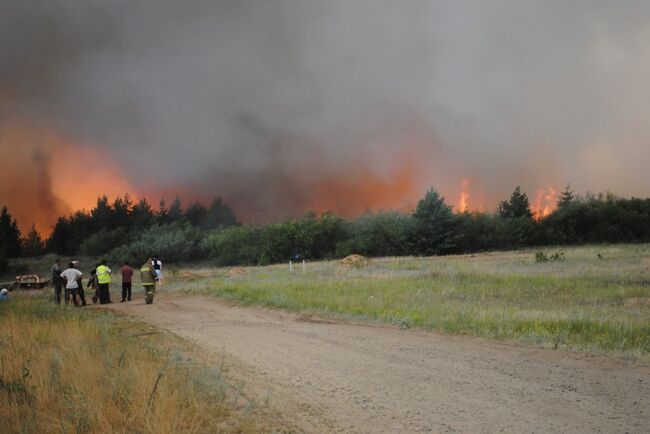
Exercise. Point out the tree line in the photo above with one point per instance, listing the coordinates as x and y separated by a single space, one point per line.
124 230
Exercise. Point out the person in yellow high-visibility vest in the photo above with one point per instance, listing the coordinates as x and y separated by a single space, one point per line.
103 282
148 278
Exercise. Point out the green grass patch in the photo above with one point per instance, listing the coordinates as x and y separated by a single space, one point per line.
583 302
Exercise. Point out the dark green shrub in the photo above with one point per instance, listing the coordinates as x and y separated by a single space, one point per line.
236 245
102 242
385 233
541 257
172 243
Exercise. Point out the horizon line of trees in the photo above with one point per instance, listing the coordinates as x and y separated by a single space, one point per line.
124 230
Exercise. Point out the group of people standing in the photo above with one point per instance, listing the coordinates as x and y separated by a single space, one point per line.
70 279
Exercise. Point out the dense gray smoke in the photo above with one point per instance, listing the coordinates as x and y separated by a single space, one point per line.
266 101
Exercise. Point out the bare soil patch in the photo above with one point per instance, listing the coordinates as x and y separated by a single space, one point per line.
333 376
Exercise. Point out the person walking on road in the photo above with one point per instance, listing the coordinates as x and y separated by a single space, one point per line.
72 276
57 281
127 275
148 278
103 281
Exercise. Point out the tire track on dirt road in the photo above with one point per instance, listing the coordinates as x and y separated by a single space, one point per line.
336 376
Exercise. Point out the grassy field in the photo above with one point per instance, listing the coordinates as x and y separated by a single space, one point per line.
596 299
78 370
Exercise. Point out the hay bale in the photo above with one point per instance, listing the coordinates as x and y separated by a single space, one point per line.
355 261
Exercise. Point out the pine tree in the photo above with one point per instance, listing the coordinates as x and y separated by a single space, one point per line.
142 215
436 224
102 215
175 210
121 210
565 198
162 215
196 214
517 206
33 244
9 234
219 215
58 240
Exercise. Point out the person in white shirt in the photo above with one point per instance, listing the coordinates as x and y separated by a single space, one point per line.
157 268
71 276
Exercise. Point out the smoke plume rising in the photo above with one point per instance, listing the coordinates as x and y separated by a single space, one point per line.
287 105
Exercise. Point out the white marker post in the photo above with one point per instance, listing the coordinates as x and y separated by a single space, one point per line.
303 266
290 267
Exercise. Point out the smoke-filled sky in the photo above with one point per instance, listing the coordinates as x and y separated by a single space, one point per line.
286 105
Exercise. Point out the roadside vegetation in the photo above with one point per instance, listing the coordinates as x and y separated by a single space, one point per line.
594 298
121 230
77 370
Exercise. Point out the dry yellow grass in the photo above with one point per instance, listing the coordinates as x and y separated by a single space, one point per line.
66 370
236 271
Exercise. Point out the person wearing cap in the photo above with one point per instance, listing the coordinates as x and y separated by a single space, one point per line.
4 294
103 281
72 276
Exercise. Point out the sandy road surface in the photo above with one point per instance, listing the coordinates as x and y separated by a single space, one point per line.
331 376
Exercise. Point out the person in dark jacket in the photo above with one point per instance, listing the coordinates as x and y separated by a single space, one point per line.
57 281
92 284
127 275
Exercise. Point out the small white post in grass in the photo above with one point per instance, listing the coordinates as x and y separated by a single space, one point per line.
290 267
303 265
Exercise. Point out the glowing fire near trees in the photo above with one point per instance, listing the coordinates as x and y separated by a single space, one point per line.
354 193
46 175
463 202
545 203
318 110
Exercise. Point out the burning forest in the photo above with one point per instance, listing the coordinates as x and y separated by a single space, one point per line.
469 168
291 107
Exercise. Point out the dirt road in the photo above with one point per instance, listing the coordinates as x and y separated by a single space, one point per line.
331 376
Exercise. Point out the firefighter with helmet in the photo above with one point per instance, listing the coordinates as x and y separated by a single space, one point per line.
148 278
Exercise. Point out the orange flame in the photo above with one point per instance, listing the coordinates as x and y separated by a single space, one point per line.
363 190
45 175
98 174
463 202
544 202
